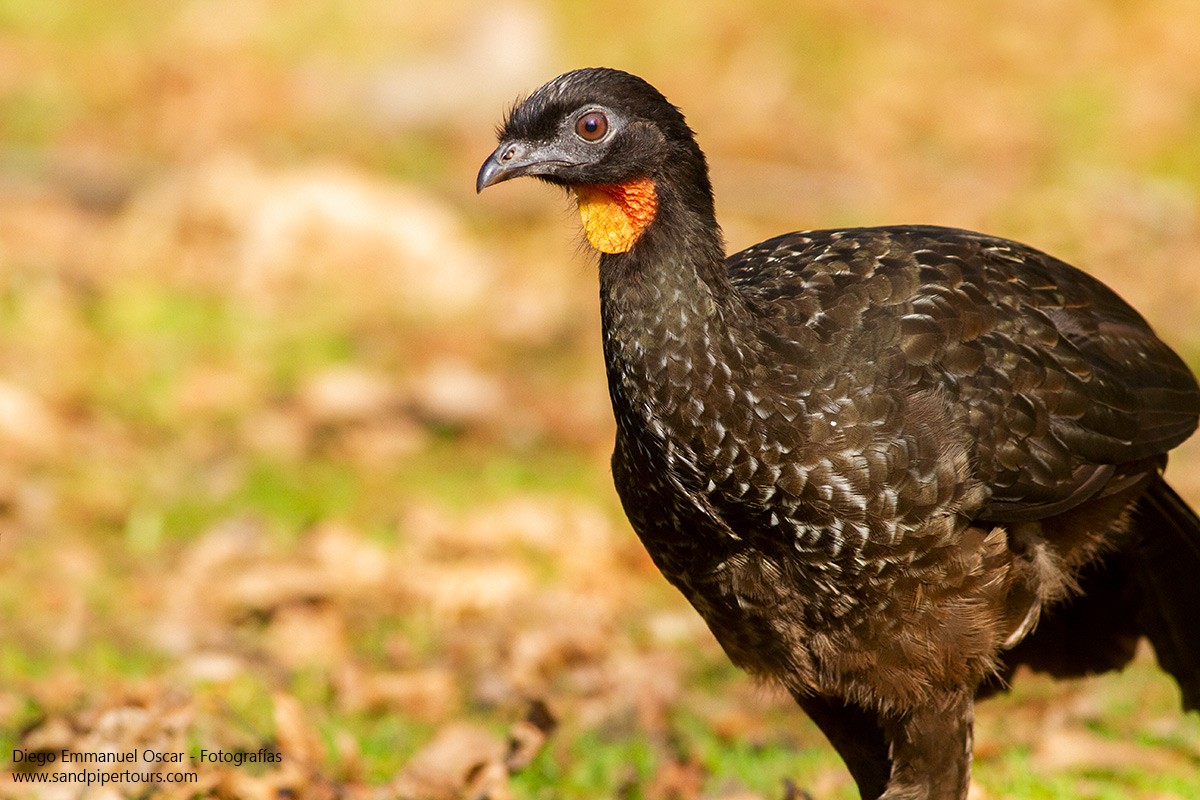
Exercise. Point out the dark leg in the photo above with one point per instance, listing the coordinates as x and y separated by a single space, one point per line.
857 736
931 751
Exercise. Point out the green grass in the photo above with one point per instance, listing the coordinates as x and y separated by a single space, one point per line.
385 741
1017 776
591 766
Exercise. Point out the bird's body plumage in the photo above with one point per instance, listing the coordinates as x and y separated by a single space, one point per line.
873 458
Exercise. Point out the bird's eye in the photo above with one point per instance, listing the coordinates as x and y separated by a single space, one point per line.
592 126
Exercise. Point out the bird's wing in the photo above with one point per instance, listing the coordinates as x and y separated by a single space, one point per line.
1057 380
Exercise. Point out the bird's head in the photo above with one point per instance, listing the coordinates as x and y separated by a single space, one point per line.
614 140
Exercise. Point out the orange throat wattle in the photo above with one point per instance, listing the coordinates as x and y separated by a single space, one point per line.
615 214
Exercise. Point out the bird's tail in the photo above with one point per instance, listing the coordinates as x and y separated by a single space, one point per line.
1167 574
1149 588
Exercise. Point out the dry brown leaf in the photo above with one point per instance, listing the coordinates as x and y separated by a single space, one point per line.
349 756
426 694
298 743
1066 748
456 394
650 683
54 734
976 792
442 768
286 783
383 442
455 592
559 649
527 737
202 603
677 779
343 394
280 433
264 586
307 634
356 565
210 389
26 423
213 666
487 781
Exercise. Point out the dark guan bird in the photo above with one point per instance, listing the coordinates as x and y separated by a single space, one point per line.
886 465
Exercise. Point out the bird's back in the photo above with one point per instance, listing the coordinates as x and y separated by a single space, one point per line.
1056 379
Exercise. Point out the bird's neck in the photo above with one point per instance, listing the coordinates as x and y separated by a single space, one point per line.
670 315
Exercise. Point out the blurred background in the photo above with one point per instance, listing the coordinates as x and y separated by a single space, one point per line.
305 446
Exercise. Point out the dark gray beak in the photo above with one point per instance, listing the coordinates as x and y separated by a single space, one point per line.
514 159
